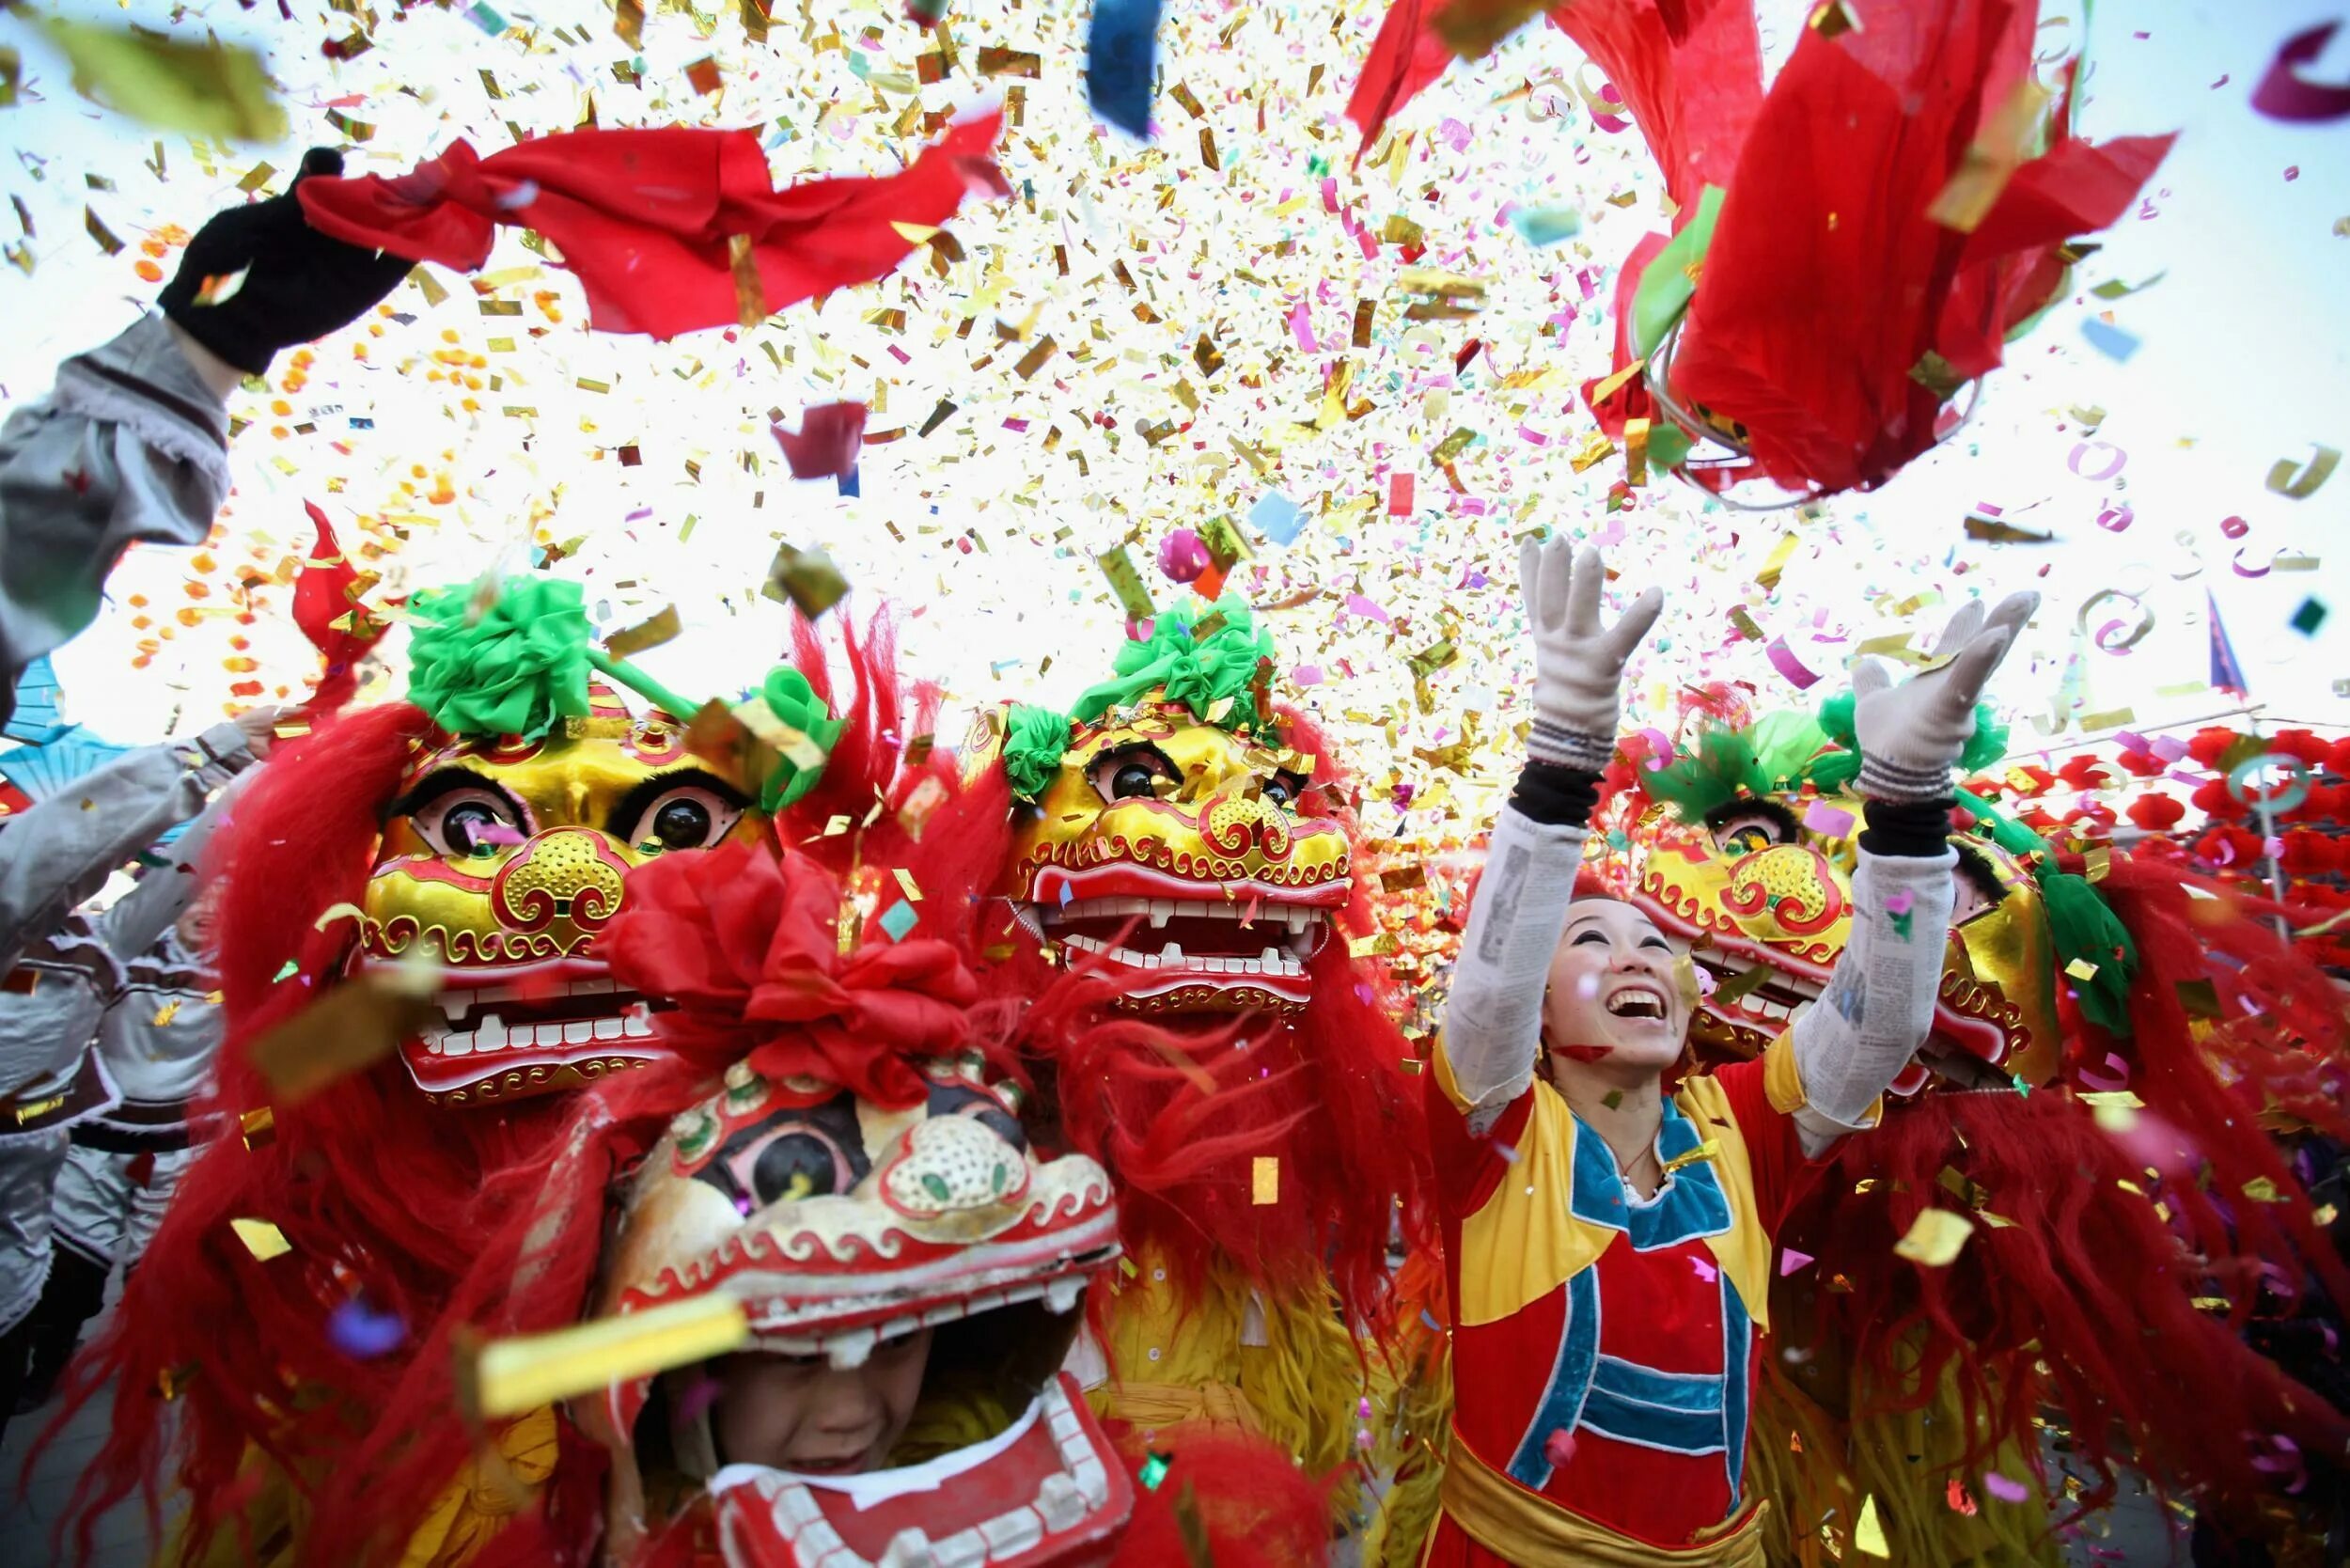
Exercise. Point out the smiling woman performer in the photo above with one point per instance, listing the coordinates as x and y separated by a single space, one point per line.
1612 1237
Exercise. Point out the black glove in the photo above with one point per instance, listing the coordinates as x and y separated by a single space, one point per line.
299 284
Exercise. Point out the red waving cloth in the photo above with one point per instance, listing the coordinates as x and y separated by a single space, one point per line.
326 608
1690 71
645 217
1828 284
1405 58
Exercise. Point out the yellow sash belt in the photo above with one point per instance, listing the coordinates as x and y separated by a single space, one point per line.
1154 1406
1535 1532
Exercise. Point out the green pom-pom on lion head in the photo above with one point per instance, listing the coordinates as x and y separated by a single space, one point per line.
795 705
1205 660
1777 755
514 663
1035 739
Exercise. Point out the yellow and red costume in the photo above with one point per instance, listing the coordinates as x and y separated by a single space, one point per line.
1647 1318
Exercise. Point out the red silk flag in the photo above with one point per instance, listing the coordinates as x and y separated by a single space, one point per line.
650 220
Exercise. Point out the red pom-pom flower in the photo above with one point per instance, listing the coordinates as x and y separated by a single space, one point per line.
748 948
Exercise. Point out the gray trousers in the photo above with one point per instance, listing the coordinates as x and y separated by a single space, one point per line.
29 1163
104 1213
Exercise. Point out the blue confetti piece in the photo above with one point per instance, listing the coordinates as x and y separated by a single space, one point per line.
1545 225
487 19
1278 517
898 919
2109 339
1121 52
848 483
361 1333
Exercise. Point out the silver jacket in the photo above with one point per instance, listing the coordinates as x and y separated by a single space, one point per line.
52 999
157 1038
130 446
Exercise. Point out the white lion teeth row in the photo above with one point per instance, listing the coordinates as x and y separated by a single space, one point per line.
1296 917
457 1003
1273 961
1061 1503
849 1347
492 1034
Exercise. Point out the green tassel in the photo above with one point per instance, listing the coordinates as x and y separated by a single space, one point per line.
2084 928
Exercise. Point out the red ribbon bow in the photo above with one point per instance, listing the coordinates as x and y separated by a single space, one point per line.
747 946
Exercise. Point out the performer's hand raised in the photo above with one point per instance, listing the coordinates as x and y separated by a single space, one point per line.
1911 734
1578 663
298 283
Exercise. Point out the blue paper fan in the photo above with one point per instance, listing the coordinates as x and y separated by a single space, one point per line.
37 718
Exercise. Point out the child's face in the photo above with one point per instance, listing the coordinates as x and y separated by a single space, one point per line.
802 1413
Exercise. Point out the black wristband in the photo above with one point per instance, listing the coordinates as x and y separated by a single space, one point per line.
1917 829
1555 795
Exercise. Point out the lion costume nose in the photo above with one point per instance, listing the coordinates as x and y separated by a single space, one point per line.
1236 823
566 873
1789 884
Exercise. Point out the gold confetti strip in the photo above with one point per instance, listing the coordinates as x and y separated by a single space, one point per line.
660 627
100 232
2301 480
352 1026
1936 1238
508 1377
1125 581
263 1239
1264 1179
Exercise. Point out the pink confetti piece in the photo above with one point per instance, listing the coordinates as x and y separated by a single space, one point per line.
2004 1489
2105 1083
1558 1447
1704 1270
1784 661
1791 1261
1357 605
2284 93
1301 322
2105 469
1834 823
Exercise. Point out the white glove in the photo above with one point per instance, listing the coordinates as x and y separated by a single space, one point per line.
1577 663
1911 734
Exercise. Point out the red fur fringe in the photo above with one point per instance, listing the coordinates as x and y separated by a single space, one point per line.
2088 1278
1255 1507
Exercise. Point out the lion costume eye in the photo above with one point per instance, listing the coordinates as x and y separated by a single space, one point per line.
460 813
1284 789
1131 772
802 1151
1750 832
684 810
1977 886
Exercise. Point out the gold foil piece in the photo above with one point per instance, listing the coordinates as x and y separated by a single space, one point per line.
1264 1179
508 1377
